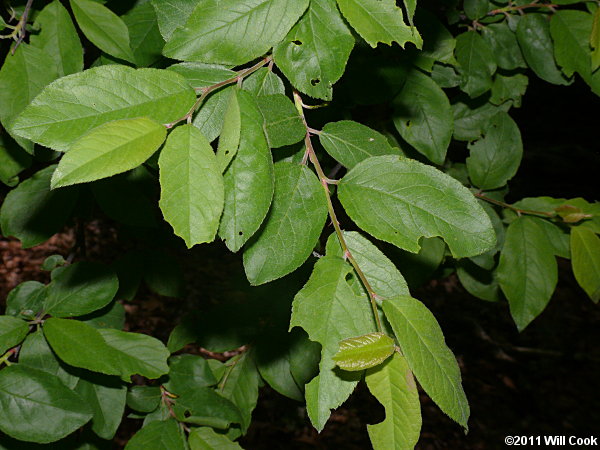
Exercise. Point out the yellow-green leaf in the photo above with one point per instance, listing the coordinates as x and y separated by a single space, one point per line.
363 352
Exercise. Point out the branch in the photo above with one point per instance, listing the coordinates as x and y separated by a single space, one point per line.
534 4
325 181
207 90
513 208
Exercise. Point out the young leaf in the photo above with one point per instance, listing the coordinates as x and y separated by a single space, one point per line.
79 289
527 271
32 212
12 332
58 39
264 82
249 179
172 14
107 351
205 438
504 45
383 276
423 116
103 28
72 106
393 385
229 140
495 158
379 21
476 63
585 251
314 53
25 300
282 123
112 148
240 385
37 406
227 33
350 142
191 184
400 200
363 352
533 34
157 435
292 227
36 353
106 396
329 311
422 343
20 81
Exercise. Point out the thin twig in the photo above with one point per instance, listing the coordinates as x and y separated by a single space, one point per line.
325 181
520 8
519 211
207 90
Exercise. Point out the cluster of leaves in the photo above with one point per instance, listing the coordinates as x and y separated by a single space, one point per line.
201 103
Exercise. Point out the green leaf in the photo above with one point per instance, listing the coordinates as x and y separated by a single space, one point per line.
204 406
427 354
20 81
157 435
364 352
504 45
249 179
527 271
472 117
476 9
314 53
36 353
417 268
351 142
291 229
393 385
80 288
163 274
400 200
226 33
329 310
188 372
477 63
533 34
52 262
111 316
282 123
143 398
13 160
112 148
146 42
72 106
103 28
423 116
264 82
495 158
478 281
107 351
229 140
381 273
106 396
509 88
595 40
585 260
204 438
58 39
191 184
12 332
570 31
240 385
379 21
26 299
38 407
202 75
172 14
32 212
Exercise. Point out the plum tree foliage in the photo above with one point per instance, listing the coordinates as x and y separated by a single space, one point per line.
193 121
